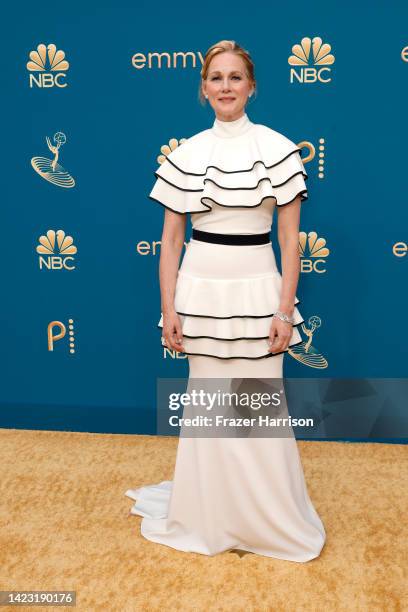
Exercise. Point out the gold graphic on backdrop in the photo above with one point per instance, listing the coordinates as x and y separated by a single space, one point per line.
47 66
305 352
400 249
56 59
311 61
50 169
171 60
316 246
305 144
167 149
320 53
56 331
56 250
313 252
311 154
56 242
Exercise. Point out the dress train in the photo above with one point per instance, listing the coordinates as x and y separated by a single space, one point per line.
233 493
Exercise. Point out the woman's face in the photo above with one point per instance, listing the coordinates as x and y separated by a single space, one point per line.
227 86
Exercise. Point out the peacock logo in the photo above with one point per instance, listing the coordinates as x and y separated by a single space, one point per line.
56 250
310 61
313 252
168 148
47 67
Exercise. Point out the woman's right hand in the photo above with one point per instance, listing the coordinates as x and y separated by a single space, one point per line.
172 332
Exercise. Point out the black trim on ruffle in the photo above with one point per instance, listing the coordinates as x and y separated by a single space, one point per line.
243 357
264 178
301 193
189 314
232 339
258 161
176 186
179 212
209 208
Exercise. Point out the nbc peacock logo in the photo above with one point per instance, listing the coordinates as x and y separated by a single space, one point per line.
310 61
47 67
166 149
50 169
305 352
56 251
313 253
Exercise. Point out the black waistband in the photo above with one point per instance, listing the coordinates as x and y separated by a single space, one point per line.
231 238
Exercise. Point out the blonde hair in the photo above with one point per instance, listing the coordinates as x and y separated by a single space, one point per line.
221 47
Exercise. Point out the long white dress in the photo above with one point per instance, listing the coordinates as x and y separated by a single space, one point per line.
231 493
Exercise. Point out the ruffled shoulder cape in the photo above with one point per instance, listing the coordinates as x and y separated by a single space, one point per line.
237 172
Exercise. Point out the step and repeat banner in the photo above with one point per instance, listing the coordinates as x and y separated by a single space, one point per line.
93 99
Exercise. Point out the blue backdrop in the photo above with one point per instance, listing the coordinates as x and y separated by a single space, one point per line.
81 347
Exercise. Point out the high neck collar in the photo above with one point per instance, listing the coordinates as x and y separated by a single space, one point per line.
229 129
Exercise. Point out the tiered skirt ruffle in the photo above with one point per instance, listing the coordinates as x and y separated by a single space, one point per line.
225 297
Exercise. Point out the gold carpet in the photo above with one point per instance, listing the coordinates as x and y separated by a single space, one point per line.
65 525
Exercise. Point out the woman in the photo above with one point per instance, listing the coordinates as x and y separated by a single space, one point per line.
233 314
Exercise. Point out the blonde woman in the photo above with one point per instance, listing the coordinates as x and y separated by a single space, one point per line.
234 315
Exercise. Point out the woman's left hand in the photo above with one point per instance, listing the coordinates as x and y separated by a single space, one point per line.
279 335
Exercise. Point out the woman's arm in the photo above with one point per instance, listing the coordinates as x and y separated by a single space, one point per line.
288 237
172 241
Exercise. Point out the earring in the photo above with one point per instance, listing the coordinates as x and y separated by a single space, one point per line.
206 95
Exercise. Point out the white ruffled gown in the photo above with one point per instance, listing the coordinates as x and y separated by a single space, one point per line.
232 493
